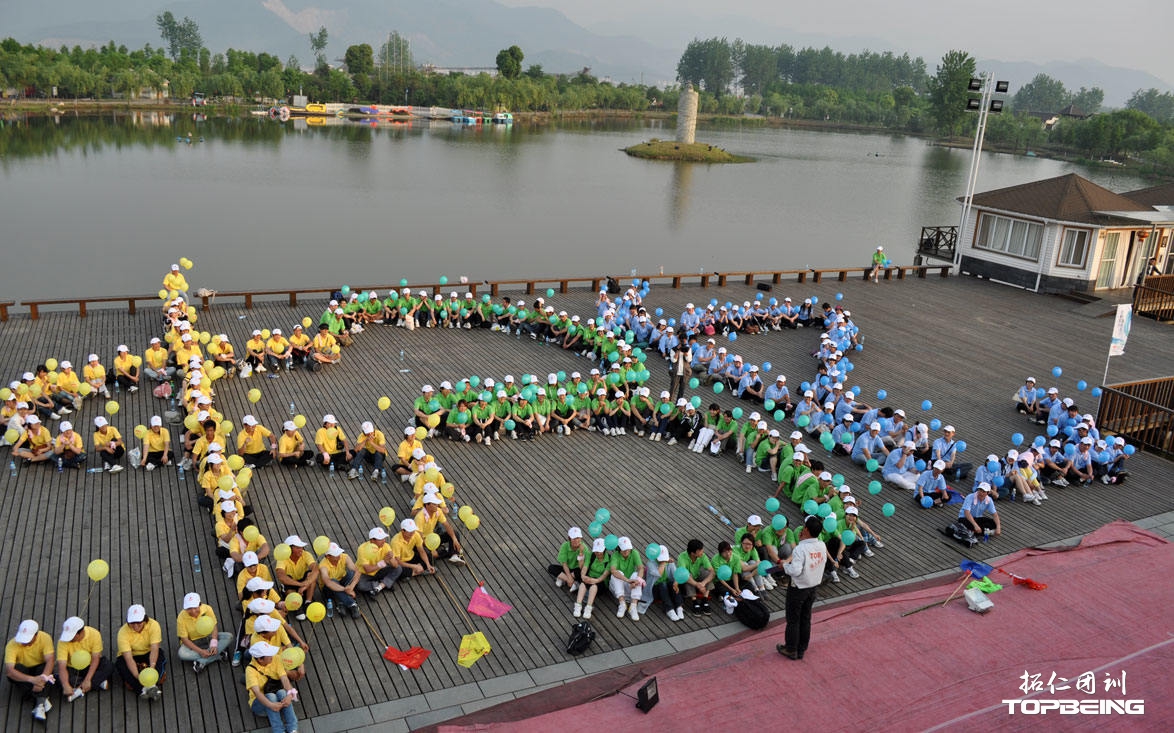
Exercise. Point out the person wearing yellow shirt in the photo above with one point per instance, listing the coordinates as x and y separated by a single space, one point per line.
277 351
140 646
68 384
378 568
271 694
125 370
404 452
28 663
223 354
250 443
298 572
255 351
299 344
371 447
252 569
434 519
332 443
339 579
156 445
174 280
408 548
35 445
69 448
215 469
108 445
76 681
200 647
202 446
187 348
271 630
291 447
95 375
155 362
63 402
238 546
324 348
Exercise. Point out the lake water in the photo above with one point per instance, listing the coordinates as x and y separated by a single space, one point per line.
103 205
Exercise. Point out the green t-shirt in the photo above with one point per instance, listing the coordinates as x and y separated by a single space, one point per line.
735 564
698 568
626 565
597 566
571 557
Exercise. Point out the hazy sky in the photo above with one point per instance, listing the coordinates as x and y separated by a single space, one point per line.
1128 33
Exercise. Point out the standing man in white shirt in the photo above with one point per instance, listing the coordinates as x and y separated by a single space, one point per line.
805 567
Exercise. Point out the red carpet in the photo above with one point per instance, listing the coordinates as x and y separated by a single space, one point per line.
1106 610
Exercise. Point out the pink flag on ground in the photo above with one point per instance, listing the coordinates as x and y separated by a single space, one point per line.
486 605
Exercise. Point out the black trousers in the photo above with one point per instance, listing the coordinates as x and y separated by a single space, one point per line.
799 604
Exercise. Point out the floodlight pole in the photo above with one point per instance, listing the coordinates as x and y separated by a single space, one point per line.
988 87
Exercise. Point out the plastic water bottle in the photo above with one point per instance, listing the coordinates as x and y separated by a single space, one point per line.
360 471
292 408
60 465
93 470
329 608
179 470
401 354
196 563
117 387
12 469
332 469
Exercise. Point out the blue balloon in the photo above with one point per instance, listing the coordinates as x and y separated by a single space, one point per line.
935 424
1057 371
927 406
1081 385
860 347
855 390
856 427
733 336
766 366
1041 393
713 302
961 446
1130 450
881 394
839 296
1052 431
1096 391
673 322
920 464
1039 441
636 283
774 301
1017 439
659 312
1069 450
849 367
1105 456
998 481
926 502
992 466
1068 431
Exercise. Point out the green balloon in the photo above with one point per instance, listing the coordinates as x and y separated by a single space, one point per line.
474 381
846 438
779 415
825 510
838 480
611 542
810 506
681 576
443 280
737 413
769 404
848 537
830 524
510 425
652 551
888 510
403 282
665 408
803 421
871 465
718 387
778 522
724 573
550 292
772 504
485 298
696 401
595 529
694 383
874 487
826 441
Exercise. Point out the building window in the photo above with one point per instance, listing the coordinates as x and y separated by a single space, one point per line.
1015 237
1074 249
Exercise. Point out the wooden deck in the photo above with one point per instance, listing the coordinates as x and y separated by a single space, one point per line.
964 344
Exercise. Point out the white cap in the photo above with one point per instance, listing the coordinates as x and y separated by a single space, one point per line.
227 506
289 425
249 420
156 421
66 425
329 418
377 533
875 426
940 465
135 614
899 412
418 453
432 498
446 385
625 543
258 583
574 533
276 332
664 554
334 550
754 520
948 429
214 458
368 427
32 420
69 629
598 545
266 624
294 541
249 559
27 631
261 606
983 486
262 649
191 600
100 422
852 510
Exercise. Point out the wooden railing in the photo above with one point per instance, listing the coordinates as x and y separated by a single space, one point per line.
1153 301
1141 412
4 309
530 286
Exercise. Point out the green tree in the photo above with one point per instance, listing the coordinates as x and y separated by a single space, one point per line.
948 91
318 43
360 59
534 71
1041 94
182 37
1159 105
509 62
1088 101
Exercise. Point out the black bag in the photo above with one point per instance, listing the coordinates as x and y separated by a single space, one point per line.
754 614
961 532
581 637
613 285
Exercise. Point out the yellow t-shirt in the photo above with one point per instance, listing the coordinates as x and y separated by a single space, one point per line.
296 570
334 568
91 642
29 655
291 443
277 344
185 625
72 443
370 554
255 346
39 440
427 524
154 357
138 643
123 363
404 549
331 439
94 373
279 638
374 441
406 446
257 674
185 351
101 440
174 281
254 443
244 576
157 442
299 341
68 382
254 546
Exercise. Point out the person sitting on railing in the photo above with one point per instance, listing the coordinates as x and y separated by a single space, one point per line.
174 280
878 261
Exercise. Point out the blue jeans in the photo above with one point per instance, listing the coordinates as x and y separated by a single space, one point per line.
280 721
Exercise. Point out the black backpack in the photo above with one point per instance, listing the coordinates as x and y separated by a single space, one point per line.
581 637
754 614
961 532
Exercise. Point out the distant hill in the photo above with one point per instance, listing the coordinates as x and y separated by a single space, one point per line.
1119 84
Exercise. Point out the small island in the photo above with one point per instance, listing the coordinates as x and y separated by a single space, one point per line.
689 152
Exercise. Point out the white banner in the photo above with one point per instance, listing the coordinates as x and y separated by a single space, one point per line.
1121 326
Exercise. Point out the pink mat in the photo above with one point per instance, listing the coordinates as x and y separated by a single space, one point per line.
1106 610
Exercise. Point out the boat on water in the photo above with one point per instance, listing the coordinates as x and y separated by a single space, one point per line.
503 118
467 117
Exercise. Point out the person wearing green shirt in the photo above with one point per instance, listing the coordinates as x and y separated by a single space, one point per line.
569 564
747 429
424 407
724 431
484 420
641 410
807 486
543 408
766 453
595 570
747 558
460 422
700 575
627 579
724 558
765 543
525 420
878 261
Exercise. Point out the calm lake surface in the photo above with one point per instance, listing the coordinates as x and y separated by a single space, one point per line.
103 205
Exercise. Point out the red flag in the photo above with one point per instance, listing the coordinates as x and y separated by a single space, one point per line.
411 659
486 605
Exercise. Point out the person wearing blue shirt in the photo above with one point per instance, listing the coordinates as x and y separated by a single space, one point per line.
978 512
1058 411
809 407
1025 398
733 373
690 320
668 342
1081 468
945 449
900 469
983 473
702 356
838 433
933 484
869 446
717 366
779 393
643 332
750 386
894 431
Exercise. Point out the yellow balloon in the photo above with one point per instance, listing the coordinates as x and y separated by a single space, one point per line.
162 295
281 552
80 659
192 313
432 541
205 625
22 389
336 349
294 656
51 364
236 463
192 423
137 361
186 263
217 372
11 435
52 377
111 407
432 420
306 322
205 337
384 403
35 390
465 512
251 533
265 334
300 421
447 491
244 478
149 677
387 516
432 475
473 522
321 544
172 294
5 394
254 395
140 431
315 612
226 482
293 601
169 337
97 569
225 427
84 389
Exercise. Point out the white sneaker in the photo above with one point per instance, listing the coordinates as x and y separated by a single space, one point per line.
835 577
852 573
680 614
261 368
513 435
1035 500
749 469
587 612
488 440
623 609
868 552
672 441
456 560
132 389
578 611
352 473
559 582
105 466
150 466
691 444
76 695
774 477
466 437
634 612
116 468
574 586
1042 494
39 713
